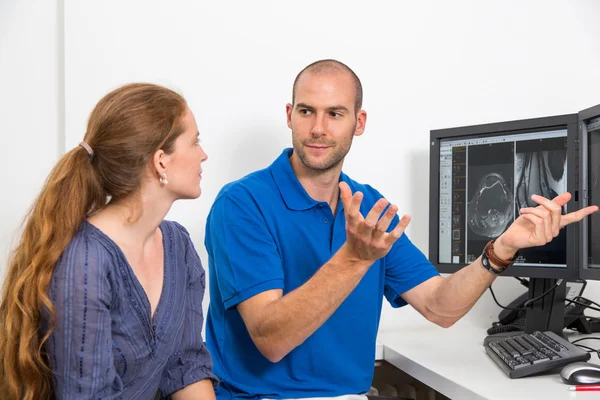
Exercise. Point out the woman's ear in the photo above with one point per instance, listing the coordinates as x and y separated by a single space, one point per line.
160 162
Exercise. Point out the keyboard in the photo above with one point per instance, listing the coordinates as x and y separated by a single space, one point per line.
523 354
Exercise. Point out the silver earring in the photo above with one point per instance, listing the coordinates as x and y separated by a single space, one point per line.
163 179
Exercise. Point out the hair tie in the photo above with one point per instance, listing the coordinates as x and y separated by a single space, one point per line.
88 149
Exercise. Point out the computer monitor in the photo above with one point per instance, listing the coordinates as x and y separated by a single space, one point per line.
481 176
589 126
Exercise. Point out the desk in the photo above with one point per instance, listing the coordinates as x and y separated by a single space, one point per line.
453 362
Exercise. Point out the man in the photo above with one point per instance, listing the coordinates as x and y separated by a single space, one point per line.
301 256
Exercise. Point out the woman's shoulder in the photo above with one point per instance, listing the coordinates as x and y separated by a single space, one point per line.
89 247
179 238
175 229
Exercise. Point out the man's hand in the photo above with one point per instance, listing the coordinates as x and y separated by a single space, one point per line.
366 238
539 225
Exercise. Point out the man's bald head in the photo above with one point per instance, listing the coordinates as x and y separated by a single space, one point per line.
332 67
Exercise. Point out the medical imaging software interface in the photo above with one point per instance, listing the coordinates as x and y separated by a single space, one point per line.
593 129
485 181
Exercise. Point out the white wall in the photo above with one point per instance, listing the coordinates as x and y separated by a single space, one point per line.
424 65
30 100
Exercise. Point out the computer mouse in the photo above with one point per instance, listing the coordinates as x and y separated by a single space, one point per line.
581 373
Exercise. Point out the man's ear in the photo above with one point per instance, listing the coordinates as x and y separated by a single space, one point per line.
288 110
160 162
361 122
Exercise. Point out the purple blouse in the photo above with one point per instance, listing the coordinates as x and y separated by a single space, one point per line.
105 344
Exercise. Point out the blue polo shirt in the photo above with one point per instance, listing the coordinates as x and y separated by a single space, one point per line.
265 232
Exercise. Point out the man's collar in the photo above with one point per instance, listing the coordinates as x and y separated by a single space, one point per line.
293 193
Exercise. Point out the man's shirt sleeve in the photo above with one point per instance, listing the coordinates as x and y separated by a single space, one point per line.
405 267
243 251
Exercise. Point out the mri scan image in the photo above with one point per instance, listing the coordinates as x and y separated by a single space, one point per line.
490 208
541 168
490 194
543 173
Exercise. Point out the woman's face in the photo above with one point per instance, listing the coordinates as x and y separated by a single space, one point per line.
184 171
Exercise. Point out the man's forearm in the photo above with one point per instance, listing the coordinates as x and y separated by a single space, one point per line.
457 294
287 322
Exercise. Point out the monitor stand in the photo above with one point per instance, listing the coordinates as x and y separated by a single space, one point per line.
547 313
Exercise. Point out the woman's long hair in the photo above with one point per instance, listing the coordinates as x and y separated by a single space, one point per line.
124 130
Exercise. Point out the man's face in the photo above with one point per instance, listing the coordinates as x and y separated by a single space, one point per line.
323 120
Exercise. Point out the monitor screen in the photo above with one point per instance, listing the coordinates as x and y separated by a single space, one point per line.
484 181
593 128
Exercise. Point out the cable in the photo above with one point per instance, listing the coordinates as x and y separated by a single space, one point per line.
583 286
589 349
501 306
528 302
585 338
591 302
582 304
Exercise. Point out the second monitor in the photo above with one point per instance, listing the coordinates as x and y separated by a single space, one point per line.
480 178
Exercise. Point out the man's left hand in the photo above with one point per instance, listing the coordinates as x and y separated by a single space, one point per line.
539 225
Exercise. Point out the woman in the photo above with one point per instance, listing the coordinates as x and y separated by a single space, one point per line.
103 298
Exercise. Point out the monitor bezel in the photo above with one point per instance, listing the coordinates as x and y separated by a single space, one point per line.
585 271
568 121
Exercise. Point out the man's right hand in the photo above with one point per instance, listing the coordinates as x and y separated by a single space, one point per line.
366 238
